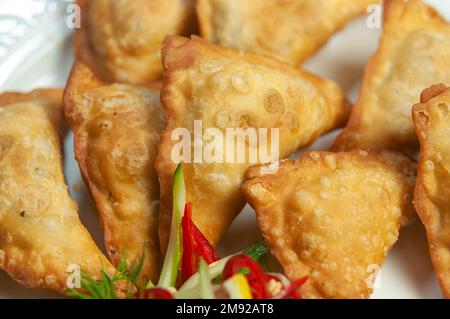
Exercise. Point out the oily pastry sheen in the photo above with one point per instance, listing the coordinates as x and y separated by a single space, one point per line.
121 39
116 129
432 121
333 217
41 237
289 30
228 89
414 53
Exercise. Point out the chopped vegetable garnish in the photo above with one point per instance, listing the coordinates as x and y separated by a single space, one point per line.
188 258
119 285
238 276
150 285
206 288
257 250
255 276
274 286
215 269
136 268
203 246
194 245
157 293
173 255
237 287
291 291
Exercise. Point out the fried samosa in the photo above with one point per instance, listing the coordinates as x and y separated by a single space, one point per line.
116 129
227 89
41 236
432 195
333 217
414 53
121 39
288 30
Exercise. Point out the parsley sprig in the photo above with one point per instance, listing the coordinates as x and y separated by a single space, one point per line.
107 287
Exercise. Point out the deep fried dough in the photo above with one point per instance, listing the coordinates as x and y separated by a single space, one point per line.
289 30
333 216
225 88
116 131
414 54
432 195
121 39
40 232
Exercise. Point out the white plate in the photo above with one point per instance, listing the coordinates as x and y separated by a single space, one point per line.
35 51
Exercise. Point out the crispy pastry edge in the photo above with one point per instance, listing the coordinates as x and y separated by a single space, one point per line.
421 200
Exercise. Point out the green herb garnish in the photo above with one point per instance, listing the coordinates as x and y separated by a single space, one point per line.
106 287
257 250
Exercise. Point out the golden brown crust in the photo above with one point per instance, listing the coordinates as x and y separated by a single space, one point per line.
40 232
432 92
413 54
50 96
291 30
121 40
225 89
333 216
431 199
116 129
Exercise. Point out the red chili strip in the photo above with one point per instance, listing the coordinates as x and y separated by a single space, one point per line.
195 245
203 247
255 275
157 293
187 258
291 291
